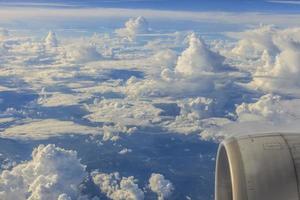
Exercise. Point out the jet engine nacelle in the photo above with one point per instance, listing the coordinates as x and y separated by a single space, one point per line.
258 167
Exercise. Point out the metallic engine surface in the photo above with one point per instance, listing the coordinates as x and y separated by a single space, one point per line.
258 167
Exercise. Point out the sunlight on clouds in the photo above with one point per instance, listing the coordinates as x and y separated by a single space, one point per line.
42 129
122 88
53 173
161 186
118 188
197 58
141 99
51 40
133 27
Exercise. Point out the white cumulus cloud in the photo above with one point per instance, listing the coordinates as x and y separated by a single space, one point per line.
51 39
53 173
133 27
82 53
161 186
278 54
198 58
43 129
118 188
268 107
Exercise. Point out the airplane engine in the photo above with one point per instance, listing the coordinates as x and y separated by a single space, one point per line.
258 167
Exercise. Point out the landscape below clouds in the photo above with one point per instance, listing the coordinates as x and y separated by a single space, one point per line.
136 110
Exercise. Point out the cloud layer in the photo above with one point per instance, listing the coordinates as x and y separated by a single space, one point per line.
143 92
53 173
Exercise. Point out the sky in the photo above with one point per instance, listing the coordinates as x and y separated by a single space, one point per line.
209 15
188 5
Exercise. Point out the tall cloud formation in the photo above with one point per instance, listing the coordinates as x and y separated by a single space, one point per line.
161 186
117 188
198 58
281 74
3 33
133 27
268 107
279 51
51 39
53 173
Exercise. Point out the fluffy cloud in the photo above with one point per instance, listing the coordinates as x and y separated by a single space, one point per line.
268 107
161 186
280 75
269 113
170 84
83 53
60 99
199 107
51 39
191 94
254 42
125 151
133 27
53 173
117 188
114 132
198 58
123 112
266 38
193 112
3 33
43 129
167 75
165 58
278 51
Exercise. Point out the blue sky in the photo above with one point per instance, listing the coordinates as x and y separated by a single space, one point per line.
191 5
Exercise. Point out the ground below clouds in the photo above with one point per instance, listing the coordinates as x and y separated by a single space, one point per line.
141 110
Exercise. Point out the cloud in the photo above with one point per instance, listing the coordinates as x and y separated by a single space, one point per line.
165 58
83 53
53 173
4 33
133 27
253 42
43 129
196 114
167 75
268 107
280 75
161 186
286 2
144 89
114 132
198 70
125 151
123 112
199 107
61 99
24 13
266 38
116 187
64 197
197 82
51 39
269 113
278 52
197 58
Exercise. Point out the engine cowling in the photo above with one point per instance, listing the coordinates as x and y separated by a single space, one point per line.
258 167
